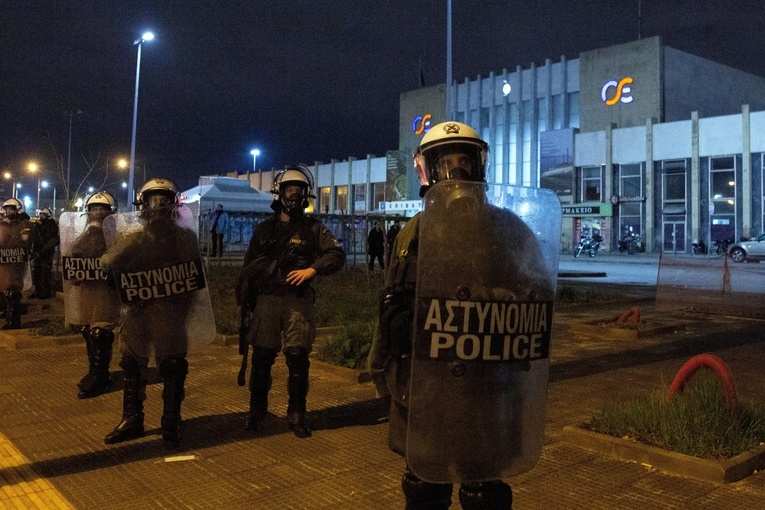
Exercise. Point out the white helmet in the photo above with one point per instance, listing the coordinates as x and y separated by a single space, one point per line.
157 185
45 211
101 198
451 138
294 175
16 204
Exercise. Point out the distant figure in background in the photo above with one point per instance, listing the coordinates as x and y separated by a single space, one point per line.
45 238
392 233
218 227
376 246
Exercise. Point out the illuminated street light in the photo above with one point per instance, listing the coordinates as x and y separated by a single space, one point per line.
148 36
255 153
32 167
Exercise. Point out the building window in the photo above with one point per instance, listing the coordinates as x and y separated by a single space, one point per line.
557 105
591 184
341 199
722 197
631 204
573 110
378 196
673 206
360 198
324 201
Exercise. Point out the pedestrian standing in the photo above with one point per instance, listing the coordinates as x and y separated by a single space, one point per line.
218 229
376 246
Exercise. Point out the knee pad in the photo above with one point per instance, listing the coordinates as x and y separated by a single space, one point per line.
437 495
174 367
263 357
297 358
101 336
130 366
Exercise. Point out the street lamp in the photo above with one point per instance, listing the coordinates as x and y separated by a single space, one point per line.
32 167
45 184
9 176
255 153
148 36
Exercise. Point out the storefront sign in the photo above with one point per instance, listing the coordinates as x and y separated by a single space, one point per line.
587 210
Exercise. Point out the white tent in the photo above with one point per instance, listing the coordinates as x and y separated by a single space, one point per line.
235 195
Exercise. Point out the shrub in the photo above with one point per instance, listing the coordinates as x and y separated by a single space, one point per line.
350 348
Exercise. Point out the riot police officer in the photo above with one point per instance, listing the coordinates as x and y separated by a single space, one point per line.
155 261
15 243
45 238
457 376
89 300
285 253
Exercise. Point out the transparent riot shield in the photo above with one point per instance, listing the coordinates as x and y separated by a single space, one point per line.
89 298
486 276
15 243
154 259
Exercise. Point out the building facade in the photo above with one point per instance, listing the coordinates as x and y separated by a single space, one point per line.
637 139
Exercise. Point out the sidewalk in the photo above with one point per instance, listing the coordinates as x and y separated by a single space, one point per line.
52 453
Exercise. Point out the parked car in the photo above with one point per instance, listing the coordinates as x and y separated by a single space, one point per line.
752 250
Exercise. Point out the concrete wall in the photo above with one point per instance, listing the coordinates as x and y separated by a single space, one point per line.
693 83
639 60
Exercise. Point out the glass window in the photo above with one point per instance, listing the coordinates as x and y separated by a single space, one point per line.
557 104
722 199
360 198
630 188
379 195
323 204
341 199
573 109
591 184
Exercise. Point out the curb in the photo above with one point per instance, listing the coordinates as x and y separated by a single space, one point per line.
719 471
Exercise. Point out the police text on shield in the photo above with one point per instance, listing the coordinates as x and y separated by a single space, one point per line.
13 255
174 280
485 331
82 269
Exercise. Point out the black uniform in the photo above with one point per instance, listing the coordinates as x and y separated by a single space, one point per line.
283 316
45 238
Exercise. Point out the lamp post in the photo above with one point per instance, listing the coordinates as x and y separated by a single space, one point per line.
148 36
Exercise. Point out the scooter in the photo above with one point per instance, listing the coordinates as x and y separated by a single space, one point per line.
721 245
588 244
699 248
631 243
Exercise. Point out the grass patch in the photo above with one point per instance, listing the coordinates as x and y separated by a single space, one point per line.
692 423
55 326
574 295
348 298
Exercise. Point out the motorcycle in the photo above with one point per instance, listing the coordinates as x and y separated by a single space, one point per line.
588 244
630 243
721 245
699 248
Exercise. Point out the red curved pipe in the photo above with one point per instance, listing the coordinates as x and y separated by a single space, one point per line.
720 369
633 312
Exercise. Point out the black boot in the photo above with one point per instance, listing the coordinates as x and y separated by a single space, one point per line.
131 426
492 495
85 381
297 388
421 495
260 384
99 356
12 310
173 372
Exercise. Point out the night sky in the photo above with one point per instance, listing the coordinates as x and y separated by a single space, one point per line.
300 80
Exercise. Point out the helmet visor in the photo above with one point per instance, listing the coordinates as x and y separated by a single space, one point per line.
454 161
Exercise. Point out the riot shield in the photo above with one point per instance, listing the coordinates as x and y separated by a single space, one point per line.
486 275
89 299
15 240
154 259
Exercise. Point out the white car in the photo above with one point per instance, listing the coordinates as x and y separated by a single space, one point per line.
752 250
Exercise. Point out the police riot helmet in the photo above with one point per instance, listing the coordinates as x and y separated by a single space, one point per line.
451 151
45 212
101 198
294 175
157 186
17 206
